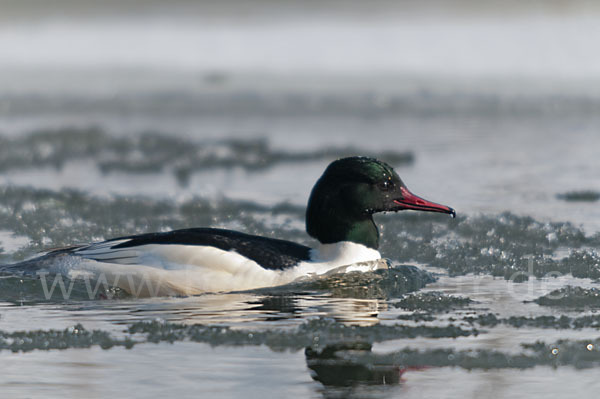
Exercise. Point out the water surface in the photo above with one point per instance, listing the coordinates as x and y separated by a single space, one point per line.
501 301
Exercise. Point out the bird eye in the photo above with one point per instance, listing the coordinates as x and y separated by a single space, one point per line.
385 185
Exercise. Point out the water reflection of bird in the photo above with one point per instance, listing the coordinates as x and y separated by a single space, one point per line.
338 366
192 261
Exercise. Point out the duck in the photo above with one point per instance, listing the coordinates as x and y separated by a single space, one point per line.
195 261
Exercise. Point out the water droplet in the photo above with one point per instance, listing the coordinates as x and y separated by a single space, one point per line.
555 351
590 347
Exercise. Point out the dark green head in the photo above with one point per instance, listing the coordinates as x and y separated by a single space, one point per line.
351 190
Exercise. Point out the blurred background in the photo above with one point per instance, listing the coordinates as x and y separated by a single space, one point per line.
486 105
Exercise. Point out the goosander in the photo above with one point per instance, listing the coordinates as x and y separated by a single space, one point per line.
199 260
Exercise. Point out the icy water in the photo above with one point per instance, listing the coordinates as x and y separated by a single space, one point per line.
500 302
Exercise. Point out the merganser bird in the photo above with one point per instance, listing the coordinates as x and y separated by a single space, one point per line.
199 260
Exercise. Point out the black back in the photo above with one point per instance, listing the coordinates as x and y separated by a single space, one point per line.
270 253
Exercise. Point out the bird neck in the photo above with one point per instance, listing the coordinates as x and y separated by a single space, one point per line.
330 225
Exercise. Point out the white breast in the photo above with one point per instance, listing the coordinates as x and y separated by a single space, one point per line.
331 257
344 253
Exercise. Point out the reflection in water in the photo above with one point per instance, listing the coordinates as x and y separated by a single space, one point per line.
362 312
344 373
282 309
333 367
236 310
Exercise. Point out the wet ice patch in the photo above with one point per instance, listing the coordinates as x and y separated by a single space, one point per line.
432 301
384 283
548 321
580 196
571 297
155 152
506 245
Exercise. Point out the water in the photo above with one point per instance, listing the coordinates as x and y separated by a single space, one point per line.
229 122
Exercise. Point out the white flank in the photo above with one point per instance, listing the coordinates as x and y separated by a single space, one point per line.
156 270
